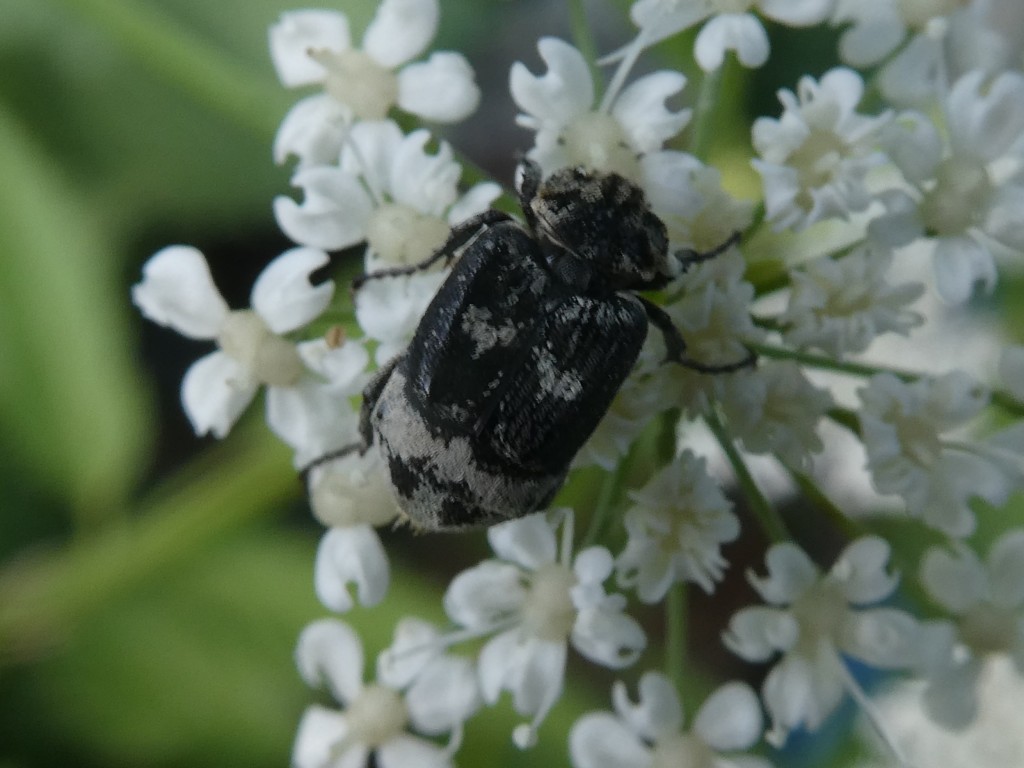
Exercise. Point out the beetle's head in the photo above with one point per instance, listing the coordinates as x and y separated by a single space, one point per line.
600 222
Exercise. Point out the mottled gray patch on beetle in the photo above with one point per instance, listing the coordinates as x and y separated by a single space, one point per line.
477 324
447 468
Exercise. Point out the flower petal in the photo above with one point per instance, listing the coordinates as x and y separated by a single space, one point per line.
401 30
475 201
956 582
443 695
351 555
215 392
485 594
532 670
314 131
528 541
796 13
426 182
986 118
740 32
730 718
562 93
608 637
333 214
283 294
442 89
656 713
312 418
600 740
329 651
177 291
405 751
886 638
641 111
757 632
860 569
320 730
296 34
416 643
790 574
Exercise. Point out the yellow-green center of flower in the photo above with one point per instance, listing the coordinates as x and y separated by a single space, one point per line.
266 357
989 629
402 236
682 751
958 199
596 141
820 612
917 13
376 716
548 612
818 159
355 79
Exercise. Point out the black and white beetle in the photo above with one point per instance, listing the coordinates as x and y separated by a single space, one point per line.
518 356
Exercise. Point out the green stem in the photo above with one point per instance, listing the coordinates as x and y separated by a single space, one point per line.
675 635
817 497
702 123
44 597
174 54
607 498
583 38
826 363
762 510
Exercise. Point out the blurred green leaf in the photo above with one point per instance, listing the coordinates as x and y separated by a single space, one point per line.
70 403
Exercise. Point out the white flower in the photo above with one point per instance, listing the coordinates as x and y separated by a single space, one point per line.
815 156
713 316
538 602
388 191
904 428
987 603
776 410
967 196
841 305
812 619
351 496
570 131
688 197
649 734
303 405
314 47
433 693
927 42
676 526
877 27
731 26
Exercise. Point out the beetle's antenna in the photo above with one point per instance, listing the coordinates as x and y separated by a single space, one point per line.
688 257
340 453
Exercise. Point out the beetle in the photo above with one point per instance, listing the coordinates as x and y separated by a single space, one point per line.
521 351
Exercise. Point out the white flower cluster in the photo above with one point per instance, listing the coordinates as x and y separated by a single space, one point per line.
936 161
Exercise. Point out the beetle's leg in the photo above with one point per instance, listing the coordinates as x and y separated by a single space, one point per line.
371 394
675 347
460 236
688 257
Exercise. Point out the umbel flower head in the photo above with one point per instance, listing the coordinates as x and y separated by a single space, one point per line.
304 381
649 734
815 619
430 692
538 601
